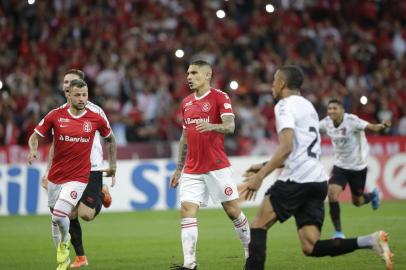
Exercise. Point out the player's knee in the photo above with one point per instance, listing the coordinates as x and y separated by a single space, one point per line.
87 216
57 219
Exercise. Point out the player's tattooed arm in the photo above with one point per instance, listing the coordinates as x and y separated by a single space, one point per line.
182 151
181 160
112 150
226 127
44 179
33 145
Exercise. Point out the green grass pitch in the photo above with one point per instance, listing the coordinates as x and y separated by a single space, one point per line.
151 240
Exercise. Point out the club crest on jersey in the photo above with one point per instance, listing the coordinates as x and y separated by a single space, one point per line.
206 107
87 126
228 191
343 131
74 195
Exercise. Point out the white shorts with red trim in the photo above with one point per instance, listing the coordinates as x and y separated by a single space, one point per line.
218 185
69 191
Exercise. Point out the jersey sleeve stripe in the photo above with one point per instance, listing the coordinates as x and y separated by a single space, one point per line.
39 133
227 114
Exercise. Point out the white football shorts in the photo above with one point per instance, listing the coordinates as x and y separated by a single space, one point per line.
218 184
70 191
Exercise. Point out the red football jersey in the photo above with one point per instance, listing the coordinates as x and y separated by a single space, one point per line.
73 138
205 151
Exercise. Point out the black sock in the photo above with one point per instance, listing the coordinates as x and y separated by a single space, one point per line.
335 215
368 197
76 237
334 247
257 250
99 204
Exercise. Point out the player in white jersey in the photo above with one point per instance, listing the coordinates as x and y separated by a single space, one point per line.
95 193
301 189
351 150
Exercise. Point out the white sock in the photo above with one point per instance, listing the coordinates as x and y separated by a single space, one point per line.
60 216
365 241
189 240
243 231
56 233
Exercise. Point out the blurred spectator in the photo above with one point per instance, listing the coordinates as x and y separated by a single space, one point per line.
127 50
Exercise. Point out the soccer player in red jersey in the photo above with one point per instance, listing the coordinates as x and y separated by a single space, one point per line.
95 193
74 129
207 116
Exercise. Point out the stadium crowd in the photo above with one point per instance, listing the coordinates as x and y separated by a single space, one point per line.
347 49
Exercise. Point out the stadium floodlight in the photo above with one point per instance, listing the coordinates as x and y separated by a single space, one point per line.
363 100
1 84
233 85
179 53
220 14
269 8
31 2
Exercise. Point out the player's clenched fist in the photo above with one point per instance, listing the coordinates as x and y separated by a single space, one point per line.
175 178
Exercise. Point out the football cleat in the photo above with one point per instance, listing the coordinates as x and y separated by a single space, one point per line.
62 251
180 267
64 265
338 234
107 197
381 247
375 199
80 261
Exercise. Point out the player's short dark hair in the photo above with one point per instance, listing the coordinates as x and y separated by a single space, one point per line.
77 83
294 76
335 101
77 72
200 63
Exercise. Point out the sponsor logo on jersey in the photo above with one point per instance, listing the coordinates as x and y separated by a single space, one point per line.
188 104
67 138
206 107
87 126
74 195
190 121
227 106
63 120
228 191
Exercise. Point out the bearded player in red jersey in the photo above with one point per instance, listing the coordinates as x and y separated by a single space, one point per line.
74 129
207 116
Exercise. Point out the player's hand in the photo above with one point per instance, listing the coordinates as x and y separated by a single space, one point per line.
31 157
387 123
250 187
111 172
175 179
204 127
253 169
44 181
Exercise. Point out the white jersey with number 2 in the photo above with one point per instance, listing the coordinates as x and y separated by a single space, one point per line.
303 164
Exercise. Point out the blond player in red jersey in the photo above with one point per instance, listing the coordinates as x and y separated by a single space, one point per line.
207 116
74 129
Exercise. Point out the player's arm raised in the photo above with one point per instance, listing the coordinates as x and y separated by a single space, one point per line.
182 151
378 127
112 156
226 127
253 182
33 145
